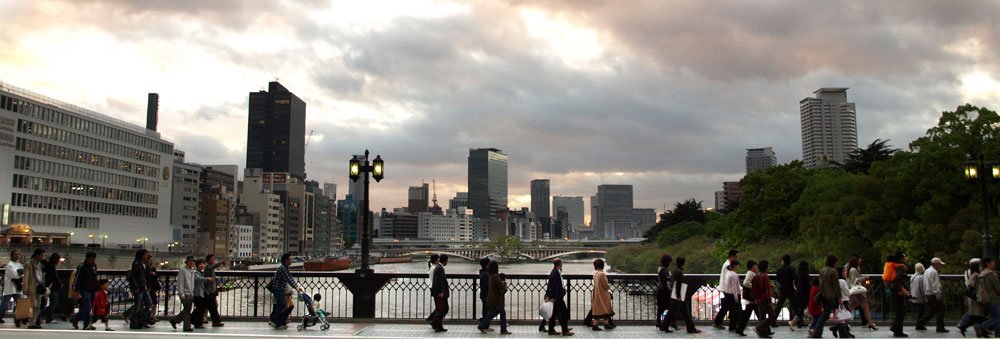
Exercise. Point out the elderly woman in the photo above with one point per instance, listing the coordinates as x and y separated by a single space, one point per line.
601 302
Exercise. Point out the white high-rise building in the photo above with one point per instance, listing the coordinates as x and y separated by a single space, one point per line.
759 159
829 127
75 175
455 225
330 190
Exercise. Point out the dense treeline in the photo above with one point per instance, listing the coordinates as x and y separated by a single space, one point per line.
880 200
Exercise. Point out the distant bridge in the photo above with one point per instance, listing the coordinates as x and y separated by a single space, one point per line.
473 254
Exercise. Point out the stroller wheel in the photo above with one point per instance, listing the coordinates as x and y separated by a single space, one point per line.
300 327
325 327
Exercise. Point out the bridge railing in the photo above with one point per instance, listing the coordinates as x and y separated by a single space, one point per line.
243 295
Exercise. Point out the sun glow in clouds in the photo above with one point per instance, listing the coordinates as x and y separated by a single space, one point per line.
980 87
577 47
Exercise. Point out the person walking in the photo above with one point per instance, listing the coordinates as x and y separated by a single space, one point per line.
815 306
751 307
680 307
935 301
440 291
280 287
859 293
803 286
185 289
988 293
432 265
139 318
786 288
494 305
54 285
600 302
153 286
212 289
900 291
555 292
829 294
842 329
200 294
86 284
976 312
730 288
13 273
102 308
918 293
761 286
663 292
34 286
484 287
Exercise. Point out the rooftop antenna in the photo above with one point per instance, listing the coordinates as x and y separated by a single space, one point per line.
434 186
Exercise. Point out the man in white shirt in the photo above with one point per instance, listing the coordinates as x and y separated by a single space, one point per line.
933 295
730 288
725 266
14 270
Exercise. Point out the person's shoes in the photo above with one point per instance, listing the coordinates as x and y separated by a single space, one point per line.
483 330
174 324
145 326
609 327
596 328
108 329
696 331
920 328
1 321
269 323
199 327
505 333
834 331
542 329
188 330
718 326
439 330
281 327
91 328
553 333
568 334
62 317
899 335
76 325
961 330
48 321
941 330
740 333
490 329
218 324
34 327
17 323
871 326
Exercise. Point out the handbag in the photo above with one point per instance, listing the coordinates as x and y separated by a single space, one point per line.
858 289
23 311
545 311
844 315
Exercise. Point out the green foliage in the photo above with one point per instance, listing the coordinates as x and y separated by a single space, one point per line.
688 210
506 247
679 232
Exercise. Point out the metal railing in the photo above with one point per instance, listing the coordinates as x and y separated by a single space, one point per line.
243 295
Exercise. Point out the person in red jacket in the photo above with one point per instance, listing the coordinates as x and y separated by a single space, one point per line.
101 306
815 308
761 287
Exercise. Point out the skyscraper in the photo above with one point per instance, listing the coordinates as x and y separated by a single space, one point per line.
487 182
419 198
573 207
276 131
540 198
330 190
829 127
759 159
461 200
614 208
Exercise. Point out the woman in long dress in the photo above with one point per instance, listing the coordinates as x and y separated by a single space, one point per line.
601 302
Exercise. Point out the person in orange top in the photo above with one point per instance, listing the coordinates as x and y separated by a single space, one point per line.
101 306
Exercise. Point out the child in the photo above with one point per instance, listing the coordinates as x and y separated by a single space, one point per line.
101 306
815 308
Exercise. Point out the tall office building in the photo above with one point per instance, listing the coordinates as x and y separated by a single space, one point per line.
461 200
614 208
216 212
419 198
759 159
276 131
732 195
594 213
573 207
720 200
642 220
68 169
829 127
184 202
330 191
540 194
487 182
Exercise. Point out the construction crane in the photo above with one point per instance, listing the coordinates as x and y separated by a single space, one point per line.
434 186
308 139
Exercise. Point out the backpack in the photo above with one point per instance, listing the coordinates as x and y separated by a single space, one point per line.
982 295
73 292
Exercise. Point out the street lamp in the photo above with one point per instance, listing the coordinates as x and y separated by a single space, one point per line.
71 238
356 170
91 236
982 172
104 241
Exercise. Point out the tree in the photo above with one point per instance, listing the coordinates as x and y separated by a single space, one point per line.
687 210
506 247
862 159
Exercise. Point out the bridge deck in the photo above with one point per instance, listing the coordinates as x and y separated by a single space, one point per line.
389 330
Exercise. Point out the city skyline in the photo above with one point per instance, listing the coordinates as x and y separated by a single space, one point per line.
424 84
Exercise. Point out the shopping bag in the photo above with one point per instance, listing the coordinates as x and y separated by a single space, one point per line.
546 310
681 292
844 315
23 312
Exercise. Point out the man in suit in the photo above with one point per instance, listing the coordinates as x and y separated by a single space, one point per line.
440 291
556 291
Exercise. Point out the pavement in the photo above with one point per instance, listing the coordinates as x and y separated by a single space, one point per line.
387 330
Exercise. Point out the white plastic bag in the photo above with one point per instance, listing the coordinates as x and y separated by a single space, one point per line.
546 310
844 314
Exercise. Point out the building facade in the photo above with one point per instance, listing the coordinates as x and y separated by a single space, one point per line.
614 206
829 127
574 210
184 202
419 198
642 220
487 182
759 159
276 131
732 195
455 225
68 169
461 199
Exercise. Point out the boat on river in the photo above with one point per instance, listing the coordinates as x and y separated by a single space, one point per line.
327 264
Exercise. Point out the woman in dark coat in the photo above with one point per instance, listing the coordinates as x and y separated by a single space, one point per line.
802 287
663 292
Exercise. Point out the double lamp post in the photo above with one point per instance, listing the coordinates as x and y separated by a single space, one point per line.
364 284
978 170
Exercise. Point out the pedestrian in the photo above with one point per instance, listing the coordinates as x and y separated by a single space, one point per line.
212 288
976 312
281 286
154 287
730 288
751 307
440 291
102 308
663 292
555 292
803 286
12 275
842 329
786 288
600 302
497 284
86 284
54 285
139 317
815 305
185 289
859 293
733 255
484 287
34 286
761 286
432 265
935 301
829 295
988 293
899 291
680 295
200 295
918 293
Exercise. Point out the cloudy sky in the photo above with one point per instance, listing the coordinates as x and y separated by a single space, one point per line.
664 95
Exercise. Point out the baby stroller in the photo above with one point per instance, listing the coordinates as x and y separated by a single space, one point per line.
314 316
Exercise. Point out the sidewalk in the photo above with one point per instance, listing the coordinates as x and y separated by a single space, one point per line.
163 330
